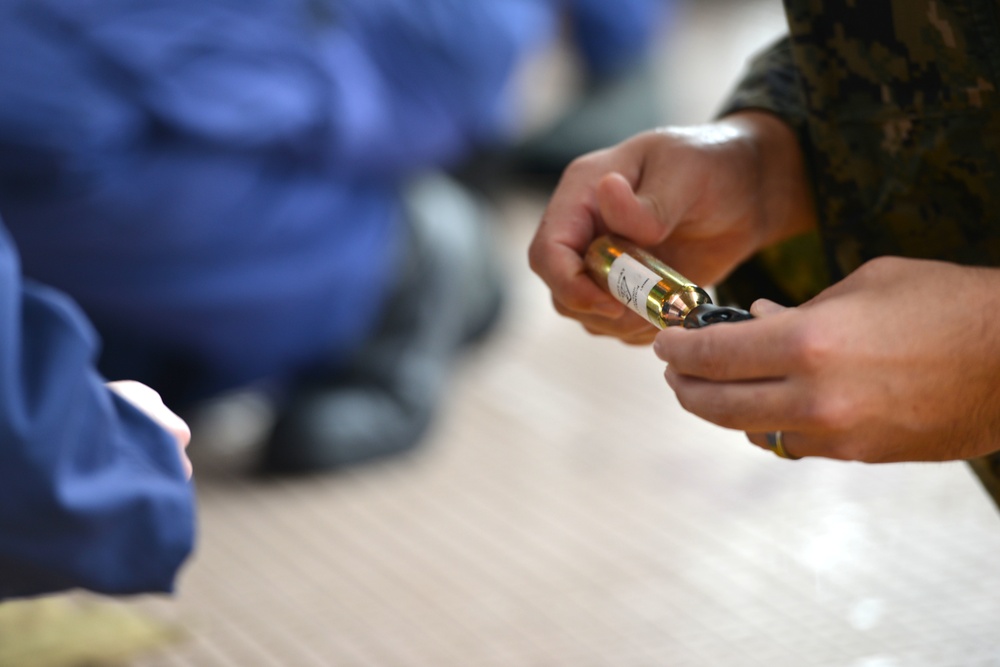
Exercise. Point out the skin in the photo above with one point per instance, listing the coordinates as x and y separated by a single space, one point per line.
149 402
703 199
873 369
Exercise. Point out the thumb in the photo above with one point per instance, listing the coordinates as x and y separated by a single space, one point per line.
765 307
633 216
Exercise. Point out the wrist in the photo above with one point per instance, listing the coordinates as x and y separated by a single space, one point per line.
786 199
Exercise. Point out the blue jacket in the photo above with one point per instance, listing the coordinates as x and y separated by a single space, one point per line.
92 493
218 182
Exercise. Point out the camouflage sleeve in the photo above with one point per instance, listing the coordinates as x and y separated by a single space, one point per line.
771 83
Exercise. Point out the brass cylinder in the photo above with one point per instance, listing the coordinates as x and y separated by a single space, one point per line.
642 282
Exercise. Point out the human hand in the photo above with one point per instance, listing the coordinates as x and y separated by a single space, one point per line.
702 199
898 362
149 402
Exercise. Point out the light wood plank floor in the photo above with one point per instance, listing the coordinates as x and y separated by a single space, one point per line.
565 512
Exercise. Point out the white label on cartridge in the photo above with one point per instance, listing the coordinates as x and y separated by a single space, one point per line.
630 281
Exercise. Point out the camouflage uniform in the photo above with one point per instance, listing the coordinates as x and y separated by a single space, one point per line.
897 107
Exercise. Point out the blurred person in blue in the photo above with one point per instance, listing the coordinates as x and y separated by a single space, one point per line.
227 189
94 489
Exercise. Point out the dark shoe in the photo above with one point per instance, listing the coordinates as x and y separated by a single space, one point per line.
385 400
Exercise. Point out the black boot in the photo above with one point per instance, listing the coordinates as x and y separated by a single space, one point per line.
449 293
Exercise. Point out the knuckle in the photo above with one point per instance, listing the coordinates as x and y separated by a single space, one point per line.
599 329
583 164
569 303
641 335
831 413
879 267
844 449
685 401
563 308
701 357
832 448
536 255
811 347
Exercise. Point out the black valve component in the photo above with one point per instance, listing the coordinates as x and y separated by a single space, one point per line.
709 313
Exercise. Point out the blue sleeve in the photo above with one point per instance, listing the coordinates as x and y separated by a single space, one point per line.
92 493
371 87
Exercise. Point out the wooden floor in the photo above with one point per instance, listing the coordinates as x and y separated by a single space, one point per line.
565 512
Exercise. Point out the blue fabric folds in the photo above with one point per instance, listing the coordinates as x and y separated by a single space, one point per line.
92 493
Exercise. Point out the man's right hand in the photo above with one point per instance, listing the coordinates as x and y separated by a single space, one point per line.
703 199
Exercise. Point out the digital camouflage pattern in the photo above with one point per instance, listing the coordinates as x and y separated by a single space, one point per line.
897 106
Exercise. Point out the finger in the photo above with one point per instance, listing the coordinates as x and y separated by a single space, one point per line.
751 350
634 216
572 218
763 441
738 405
641 336
177 427
800 443
759 438
556 253
149 401
572 288
765 307
627 325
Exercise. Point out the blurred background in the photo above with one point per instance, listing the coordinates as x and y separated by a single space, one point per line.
563 510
